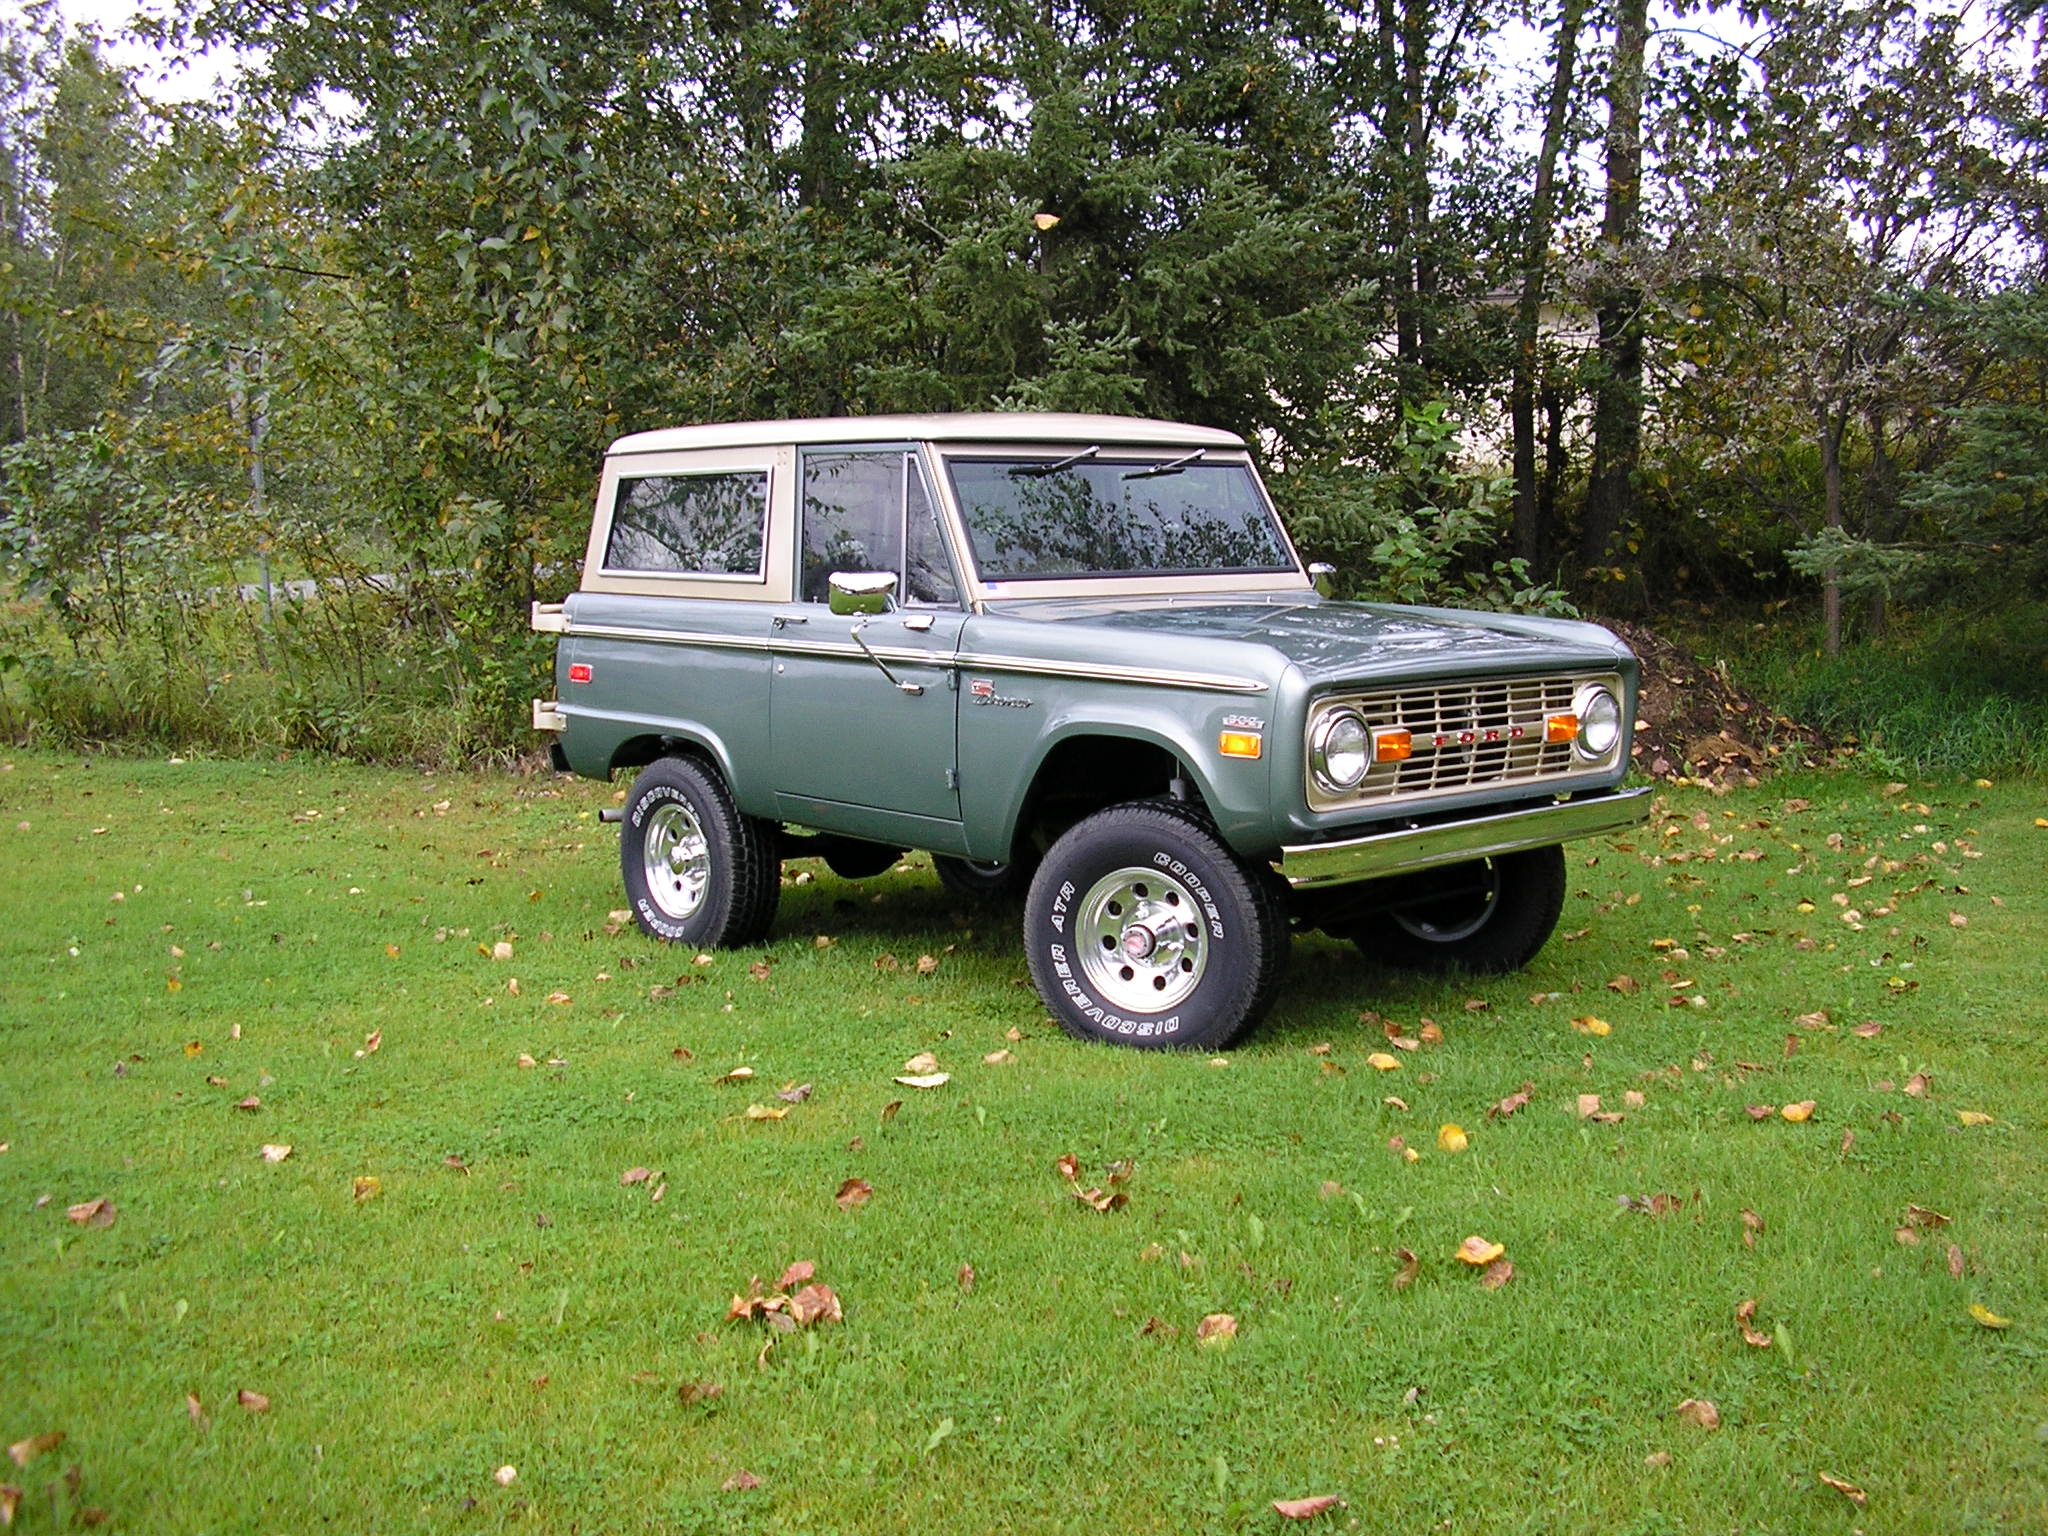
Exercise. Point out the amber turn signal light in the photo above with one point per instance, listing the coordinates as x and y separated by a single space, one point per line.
1392 746
1240 743
1561 728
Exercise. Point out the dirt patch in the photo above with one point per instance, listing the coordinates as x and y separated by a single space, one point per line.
1693 722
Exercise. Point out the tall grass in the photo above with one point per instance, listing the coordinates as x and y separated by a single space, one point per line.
359 674
1941 695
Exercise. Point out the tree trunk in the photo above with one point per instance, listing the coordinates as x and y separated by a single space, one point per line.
1617 300
1531 536
1832 422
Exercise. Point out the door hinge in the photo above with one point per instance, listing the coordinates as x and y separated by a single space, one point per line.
952 681
952 778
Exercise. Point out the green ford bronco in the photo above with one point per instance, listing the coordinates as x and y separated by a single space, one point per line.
1077 659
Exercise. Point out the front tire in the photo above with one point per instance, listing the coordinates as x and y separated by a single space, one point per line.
1500 912
696 871
1143 929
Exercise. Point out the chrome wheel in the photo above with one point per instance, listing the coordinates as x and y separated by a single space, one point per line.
1451 921
676 859
1142 940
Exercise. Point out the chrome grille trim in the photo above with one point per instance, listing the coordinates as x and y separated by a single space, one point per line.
1490 711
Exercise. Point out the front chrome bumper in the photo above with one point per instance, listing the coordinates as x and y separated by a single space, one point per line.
1310 866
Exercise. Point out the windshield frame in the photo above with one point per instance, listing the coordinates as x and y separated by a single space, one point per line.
1287 578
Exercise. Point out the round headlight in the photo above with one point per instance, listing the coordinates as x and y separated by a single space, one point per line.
1340 751
1599 722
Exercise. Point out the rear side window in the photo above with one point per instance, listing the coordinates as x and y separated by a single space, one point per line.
694 525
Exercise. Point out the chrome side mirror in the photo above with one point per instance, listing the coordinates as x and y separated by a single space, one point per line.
851 592
1324 576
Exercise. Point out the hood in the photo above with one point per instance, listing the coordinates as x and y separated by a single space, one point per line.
1331 641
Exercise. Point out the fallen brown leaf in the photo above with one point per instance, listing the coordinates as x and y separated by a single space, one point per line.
1752 1224
1069 1167
636 1175
1411 1266
1917 1085
1514 1101
1847 1490
1955 1261
793 1093
1745 1314
25 1451
1477 1251
923 1061
854 1193
691 1393
1496 1275
1697 1410
889 1110
92 1213
1306 1509
799 1273
814 1304
965 1277
1216 1330
739 1482
255 1402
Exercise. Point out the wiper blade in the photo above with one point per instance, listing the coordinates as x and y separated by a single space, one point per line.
1039 471
1171 467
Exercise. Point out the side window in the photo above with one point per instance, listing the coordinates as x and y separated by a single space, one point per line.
928 569
872 512
700 525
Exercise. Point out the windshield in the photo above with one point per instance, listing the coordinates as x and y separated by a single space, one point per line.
1112 512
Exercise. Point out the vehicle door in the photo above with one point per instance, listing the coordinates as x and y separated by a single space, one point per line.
863 707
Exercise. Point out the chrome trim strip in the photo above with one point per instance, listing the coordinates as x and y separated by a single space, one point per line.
1092 671
1095 671
1311 866
672 637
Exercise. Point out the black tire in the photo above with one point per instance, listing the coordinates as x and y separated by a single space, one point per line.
1154 875
1502 912
987 883
696 871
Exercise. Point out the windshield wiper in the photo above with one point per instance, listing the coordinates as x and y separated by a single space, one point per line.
1038 471
1171 467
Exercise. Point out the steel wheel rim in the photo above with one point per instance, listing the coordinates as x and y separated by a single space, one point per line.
676 860
1460 928
1144 947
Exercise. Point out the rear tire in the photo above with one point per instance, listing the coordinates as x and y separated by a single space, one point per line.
696 871
1143 929
1503 913
989 882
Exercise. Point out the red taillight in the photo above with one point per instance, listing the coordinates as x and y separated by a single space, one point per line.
579 672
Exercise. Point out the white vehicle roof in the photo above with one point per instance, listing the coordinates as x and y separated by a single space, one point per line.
964 426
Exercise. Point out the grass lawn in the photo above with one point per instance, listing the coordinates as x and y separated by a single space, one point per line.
178 940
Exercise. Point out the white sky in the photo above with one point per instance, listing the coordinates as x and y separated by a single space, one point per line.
158 76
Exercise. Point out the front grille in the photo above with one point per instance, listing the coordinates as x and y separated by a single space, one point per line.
1466 735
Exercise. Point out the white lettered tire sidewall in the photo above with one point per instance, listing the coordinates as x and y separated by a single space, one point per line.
717 874
1142 902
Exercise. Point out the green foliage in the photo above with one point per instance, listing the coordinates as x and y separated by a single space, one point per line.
1417 532
1948 694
